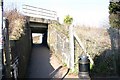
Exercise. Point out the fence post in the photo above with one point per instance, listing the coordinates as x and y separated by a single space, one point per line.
71 38
7 53
1 37
118 39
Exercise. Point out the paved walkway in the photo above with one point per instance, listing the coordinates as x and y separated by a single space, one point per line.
42 64
39 66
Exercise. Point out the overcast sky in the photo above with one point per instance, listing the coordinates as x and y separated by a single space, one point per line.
87 12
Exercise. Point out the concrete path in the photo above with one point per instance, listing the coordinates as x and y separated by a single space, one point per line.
39 66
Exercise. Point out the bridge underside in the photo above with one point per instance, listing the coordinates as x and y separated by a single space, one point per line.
38 27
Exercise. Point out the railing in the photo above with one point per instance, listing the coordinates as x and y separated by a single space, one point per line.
38 12
82 46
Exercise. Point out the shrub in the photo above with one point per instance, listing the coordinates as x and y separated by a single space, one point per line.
16 23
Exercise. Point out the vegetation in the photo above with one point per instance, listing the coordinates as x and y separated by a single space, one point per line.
59 27
68 20
114 7
16 23
98 45
114 18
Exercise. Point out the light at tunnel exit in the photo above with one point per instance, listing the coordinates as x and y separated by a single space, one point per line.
37 38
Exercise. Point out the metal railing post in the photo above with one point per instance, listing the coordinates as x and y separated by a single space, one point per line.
6 49
1 38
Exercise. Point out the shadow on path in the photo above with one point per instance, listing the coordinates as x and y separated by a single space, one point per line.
39 64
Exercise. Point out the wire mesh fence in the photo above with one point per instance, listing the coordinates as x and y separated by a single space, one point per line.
59 43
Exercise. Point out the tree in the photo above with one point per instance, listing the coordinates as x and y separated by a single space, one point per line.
68 20
16 23
114 19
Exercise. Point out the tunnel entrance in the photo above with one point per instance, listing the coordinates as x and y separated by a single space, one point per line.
39 65
39 33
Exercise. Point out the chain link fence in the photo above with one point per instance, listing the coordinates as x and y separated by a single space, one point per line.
59 43
63 47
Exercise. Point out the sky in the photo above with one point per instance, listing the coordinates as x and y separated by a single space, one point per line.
84 12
